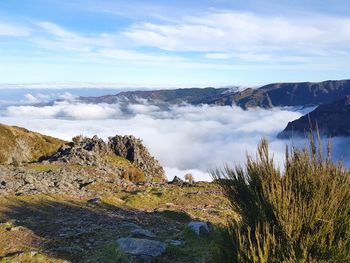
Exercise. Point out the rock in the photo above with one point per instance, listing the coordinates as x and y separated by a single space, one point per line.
200 228
175 242
133 150
141 247
95 201
128 224
141 233
177 181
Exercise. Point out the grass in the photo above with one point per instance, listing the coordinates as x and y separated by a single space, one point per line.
27 146
131 172
300 214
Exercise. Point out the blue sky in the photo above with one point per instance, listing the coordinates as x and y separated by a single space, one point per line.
173 43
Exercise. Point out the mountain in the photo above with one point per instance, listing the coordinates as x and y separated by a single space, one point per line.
287 94
20 145
268 96
332 119
169 96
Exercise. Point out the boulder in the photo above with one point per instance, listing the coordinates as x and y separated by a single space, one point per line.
200 228
142 233
141 247
177 181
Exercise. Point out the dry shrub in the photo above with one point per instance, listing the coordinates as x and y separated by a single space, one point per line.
300 214
134 175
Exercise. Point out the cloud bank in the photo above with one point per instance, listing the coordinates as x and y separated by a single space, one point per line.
185 139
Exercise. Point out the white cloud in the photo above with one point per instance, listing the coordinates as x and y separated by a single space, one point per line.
233 31
184 139
13 30
66 110
30 99
218 56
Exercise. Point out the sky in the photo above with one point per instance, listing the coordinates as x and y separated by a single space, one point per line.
172 43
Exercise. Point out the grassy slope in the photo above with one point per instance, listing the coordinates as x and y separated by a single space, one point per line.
30 226
24 145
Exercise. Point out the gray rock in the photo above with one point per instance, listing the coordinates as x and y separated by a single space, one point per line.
200 228
141 247
139 232
95 201
130 225
175 242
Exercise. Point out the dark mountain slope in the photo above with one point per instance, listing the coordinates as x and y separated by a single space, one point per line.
332 119
287 94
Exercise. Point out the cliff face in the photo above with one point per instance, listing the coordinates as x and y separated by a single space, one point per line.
332 119
20 145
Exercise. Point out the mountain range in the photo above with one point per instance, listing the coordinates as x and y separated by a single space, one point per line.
305 94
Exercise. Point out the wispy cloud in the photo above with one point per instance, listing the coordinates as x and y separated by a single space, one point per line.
13 30
241 32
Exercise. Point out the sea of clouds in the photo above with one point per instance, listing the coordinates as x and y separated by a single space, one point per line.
184 138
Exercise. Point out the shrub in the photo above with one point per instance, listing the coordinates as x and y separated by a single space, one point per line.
134 175
189 178
300 214
77 139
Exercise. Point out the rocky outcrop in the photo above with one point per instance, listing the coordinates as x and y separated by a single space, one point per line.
19 145
95 152
73 180
331 120
133 150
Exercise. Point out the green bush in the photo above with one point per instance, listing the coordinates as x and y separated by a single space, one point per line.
300 214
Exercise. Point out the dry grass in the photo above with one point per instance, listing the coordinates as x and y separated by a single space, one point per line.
25 145
301 214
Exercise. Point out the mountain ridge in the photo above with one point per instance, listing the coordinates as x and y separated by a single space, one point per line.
267 96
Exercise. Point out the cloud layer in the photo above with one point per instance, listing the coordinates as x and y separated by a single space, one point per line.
184 139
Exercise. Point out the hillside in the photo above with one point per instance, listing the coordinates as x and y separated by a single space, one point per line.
20 145
271 95
332 119
89 199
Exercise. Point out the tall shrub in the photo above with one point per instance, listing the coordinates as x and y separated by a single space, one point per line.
300 214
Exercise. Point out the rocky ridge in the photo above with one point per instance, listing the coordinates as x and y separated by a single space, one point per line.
267 96
83 167
104 155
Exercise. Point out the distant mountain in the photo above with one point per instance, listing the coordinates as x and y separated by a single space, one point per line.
332 119
168 96
268 96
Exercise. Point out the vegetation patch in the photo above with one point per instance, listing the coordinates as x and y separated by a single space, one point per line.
301 214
